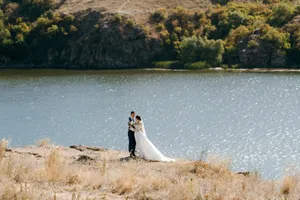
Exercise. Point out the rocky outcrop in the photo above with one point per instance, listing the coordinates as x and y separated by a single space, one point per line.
103 42
255 52
111 44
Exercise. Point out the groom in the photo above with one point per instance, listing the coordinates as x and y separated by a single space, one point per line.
131 131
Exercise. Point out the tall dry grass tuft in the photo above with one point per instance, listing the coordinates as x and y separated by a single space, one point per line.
124 184
73 179
3 146
180 191
218 162
288 185
104 166
54 165
12 192
43 142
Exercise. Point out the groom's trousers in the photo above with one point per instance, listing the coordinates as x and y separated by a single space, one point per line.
132 142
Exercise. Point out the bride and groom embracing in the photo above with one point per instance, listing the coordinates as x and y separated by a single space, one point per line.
138 139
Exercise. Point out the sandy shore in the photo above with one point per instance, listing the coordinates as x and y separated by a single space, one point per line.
46 171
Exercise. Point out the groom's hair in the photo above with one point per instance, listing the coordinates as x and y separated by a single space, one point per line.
132 112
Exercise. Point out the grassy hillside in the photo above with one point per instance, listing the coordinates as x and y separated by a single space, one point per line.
122 34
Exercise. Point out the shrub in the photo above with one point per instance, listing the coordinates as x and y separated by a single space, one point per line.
42 21
130 23
197 65
158 16
7 42
5 34
297 10
159 27
165 34
296 38
49 14
188 49
271 1
117 18
275 36
195 49
52 30
19 20
20 38
237 37
168 65
73 28
221 2
281 14
252 44
24 27
68 19
178 30
227 18
146 29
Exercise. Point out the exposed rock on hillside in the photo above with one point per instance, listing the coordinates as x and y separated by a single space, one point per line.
103 42
261 54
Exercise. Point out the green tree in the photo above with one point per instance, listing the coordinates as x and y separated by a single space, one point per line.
281 14
297 10
52 30
194 49
158 16
237 37
275 37
188 49
227 18
274 40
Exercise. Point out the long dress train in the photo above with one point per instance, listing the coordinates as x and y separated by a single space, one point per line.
147 150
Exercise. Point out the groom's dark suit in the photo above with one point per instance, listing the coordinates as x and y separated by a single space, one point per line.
131 138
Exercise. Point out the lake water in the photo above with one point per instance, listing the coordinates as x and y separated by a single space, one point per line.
251 118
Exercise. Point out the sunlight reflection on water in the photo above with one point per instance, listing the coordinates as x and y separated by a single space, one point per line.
251 118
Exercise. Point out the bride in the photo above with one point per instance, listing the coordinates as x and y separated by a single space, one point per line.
147 150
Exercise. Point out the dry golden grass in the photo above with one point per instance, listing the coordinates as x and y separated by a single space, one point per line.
3 146
58 175
54 166
288 185
10 191
43 142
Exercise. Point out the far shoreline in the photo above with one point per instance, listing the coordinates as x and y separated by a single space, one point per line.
62 71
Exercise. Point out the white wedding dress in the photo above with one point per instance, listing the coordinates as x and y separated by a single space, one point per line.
147 150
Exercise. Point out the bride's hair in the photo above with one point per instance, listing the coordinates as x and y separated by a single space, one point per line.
138 117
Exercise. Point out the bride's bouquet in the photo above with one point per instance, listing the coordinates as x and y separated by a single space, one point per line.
132 124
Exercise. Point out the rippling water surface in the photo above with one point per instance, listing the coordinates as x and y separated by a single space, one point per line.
251 118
